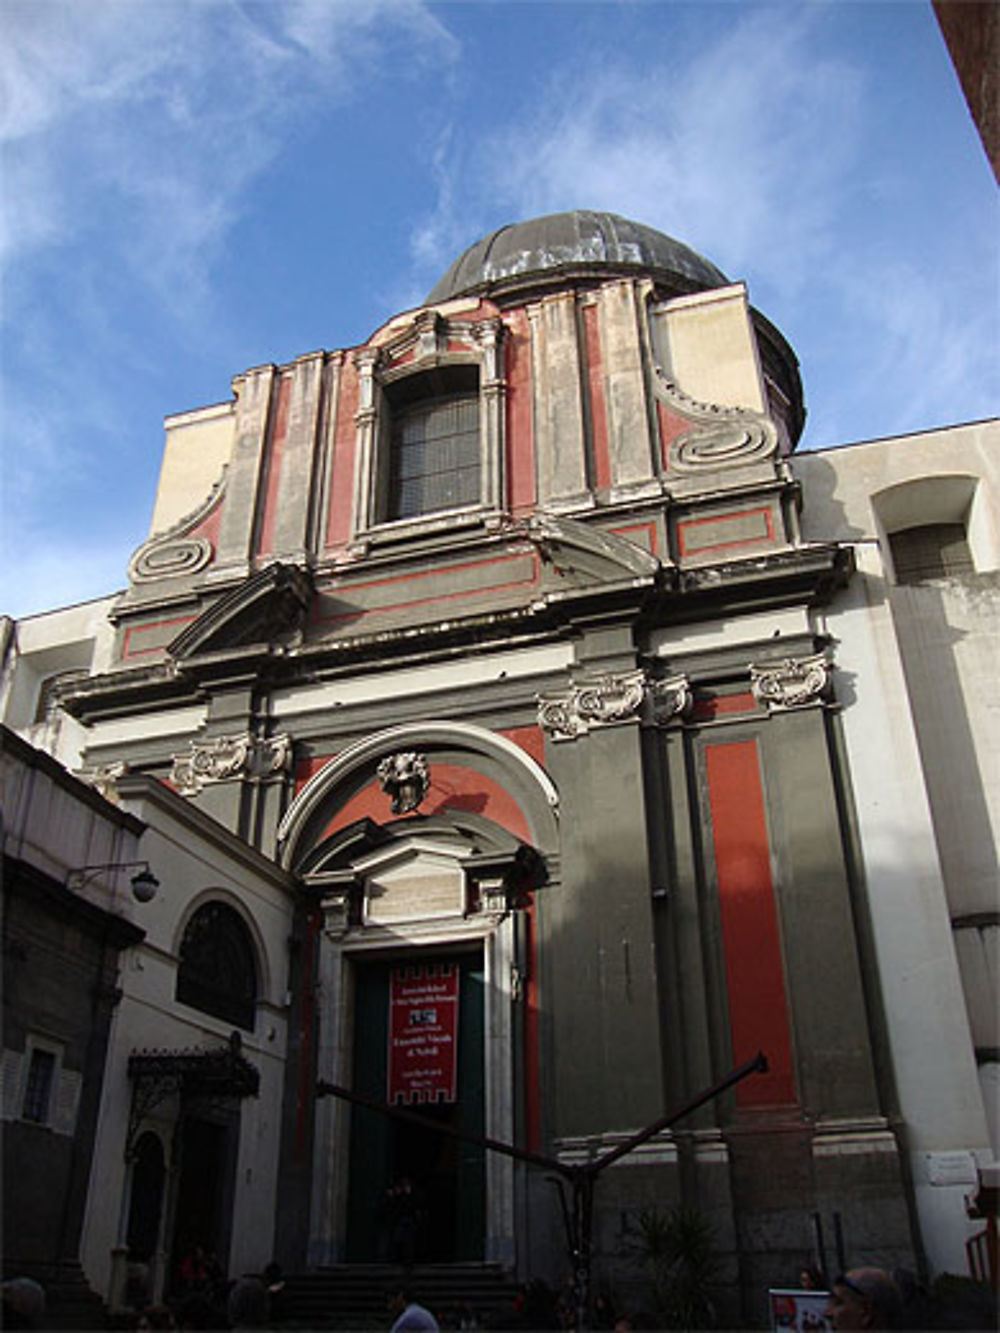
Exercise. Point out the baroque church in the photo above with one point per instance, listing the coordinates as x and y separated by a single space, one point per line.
522 735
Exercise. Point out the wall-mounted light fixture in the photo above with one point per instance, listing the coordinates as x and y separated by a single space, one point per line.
144 882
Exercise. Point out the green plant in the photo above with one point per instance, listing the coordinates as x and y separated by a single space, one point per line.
676 1249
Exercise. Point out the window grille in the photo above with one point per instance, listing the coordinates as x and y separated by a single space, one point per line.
434 457
930 551
218 972
38 1087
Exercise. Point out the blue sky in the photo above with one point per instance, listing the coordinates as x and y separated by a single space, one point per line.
194 187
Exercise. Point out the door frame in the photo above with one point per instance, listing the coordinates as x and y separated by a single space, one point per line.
335 1056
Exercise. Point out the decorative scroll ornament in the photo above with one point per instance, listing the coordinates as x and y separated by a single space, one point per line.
601 702
174 553
669 699
225 758
794 682
405 776
170 559
104 778
722 437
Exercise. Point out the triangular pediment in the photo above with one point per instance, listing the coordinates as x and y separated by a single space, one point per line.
586 554
267 609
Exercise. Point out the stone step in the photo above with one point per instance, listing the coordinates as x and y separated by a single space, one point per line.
69 1301
354 1295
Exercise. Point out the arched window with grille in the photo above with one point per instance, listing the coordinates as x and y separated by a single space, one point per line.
218 966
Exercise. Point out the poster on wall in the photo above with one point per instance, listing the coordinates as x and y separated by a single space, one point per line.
423 1034
799 1311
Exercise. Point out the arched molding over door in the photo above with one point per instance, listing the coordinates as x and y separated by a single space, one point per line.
496 757
149 1170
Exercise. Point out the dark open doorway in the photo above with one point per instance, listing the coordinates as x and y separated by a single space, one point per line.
146 1201
417 1196
202 1213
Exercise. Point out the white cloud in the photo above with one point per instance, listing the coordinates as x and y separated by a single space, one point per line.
737 146
150 121
751 140
133 135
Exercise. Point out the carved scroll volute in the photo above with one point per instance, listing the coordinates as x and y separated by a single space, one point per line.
719 437
226 758
669 700
792 682
601 702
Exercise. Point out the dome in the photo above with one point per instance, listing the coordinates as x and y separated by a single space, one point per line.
565 244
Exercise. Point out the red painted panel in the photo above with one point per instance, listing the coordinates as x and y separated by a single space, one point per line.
275 457
671 425
598 400
683 528
309 767
648 529
132 642
484 310
211 523
532 1042
530 739
452 788
520 461
304 1096
758 1008
707 706
338 529
414 580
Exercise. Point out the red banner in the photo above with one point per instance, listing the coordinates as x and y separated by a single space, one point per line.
423 1034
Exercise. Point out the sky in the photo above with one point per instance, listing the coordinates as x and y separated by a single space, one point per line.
192 187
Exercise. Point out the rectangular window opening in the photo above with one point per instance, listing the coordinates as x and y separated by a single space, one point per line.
930 551
38 1087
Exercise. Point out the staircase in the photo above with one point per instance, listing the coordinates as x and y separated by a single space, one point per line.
353 1296
69 1301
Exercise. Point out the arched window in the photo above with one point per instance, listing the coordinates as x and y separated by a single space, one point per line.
218 968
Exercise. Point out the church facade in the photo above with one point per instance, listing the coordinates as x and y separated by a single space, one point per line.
584 741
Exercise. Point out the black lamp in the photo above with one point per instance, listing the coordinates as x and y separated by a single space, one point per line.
144 882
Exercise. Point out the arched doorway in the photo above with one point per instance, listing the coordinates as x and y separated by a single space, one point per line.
421 890
145 1217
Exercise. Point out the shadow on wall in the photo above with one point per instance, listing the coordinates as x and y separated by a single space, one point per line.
924 617
824 517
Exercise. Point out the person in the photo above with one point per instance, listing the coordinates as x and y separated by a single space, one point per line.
247 1306
404 1218
865 1298
409 1316
23 1303
156 1317
812 1279
193 1273
274 1281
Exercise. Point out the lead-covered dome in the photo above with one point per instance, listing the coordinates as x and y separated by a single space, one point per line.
571 244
